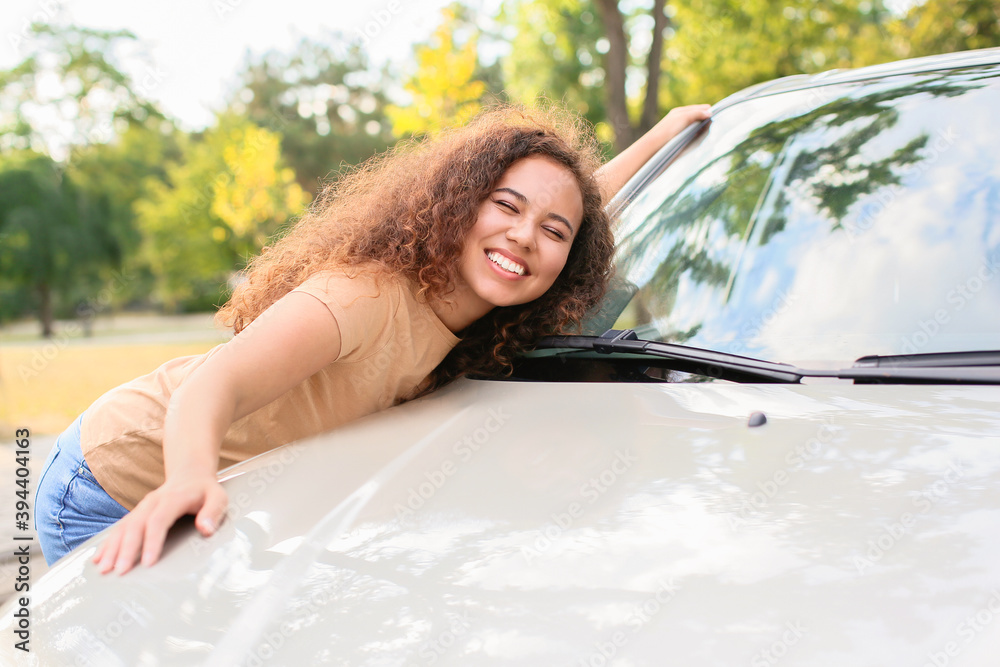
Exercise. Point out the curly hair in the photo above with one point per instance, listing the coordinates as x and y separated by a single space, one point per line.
408 212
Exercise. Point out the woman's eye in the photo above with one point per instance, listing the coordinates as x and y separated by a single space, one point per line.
555 232
507 205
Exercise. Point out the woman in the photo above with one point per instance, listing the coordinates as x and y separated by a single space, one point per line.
440 258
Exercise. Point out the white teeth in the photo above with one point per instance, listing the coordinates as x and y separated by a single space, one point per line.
505 263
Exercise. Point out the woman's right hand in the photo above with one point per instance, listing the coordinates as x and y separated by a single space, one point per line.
285 345
144 529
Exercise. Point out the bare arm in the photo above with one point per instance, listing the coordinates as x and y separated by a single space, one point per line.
290 341
613 175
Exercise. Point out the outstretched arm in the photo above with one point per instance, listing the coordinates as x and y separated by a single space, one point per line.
286 344
613 175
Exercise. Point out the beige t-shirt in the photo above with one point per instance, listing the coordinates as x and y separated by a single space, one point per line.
390 341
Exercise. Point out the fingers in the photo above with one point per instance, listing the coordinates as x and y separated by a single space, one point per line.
161 518
679 118
108 551
128 547
143 531
120 549
691 113
696 109
212 510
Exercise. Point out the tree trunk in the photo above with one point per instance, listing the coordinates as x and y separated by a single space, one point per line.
651 105
45 309
615 62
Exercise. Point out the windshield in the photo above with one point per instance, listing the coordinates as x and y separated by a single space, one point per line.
822 225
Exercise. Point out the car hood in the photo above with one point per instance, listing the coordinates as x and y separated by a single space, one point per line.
579 524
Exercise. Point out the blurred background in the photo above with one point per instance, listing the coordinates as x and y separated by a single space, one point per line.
147 151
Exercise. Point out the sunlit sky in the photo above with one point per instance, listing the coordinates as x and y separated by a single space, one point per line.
190 52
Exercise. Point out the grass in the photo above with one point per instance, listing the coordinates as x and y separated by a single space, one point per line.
44 387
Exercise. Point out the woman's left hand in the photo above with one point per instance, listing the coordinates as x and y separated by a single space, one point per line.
613 175
676 120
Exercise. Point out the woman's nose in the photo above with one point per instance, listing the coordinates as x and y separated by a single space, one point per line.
522 233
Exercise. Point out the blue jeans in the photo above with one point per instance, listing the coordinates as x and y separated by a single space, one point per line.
70 506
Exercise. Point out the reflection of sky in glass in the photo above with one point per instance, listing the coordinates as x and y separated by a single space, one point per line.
909 268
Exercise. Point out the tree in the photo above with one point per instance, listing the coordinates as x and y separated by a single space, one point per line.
68 90
594 56
647 56
66 93
118 173
325 102
616 66
718 47
260 195
53 239
945 26
449 85
229 191
555 53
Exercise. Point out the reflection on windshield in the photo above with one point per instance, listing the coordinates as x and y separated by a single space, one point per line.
826 224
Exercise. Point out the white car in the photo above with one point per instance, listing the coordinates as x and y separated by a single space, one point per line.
780 443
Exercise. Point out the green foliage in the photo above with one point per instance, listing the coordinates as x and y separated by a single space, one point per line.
95 184
946 26
116 172
712 48
260 195
718 47
560 49
53 240
447 89
68 90
229 191
65 219
554 54
327 105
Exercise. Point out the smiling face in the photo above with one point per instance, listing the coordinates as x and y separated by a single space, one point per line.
522 236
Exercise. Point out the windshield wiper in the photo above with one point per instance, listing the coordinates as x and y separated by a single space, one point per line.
937 368
937 359
688 359
972 367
